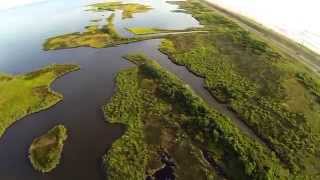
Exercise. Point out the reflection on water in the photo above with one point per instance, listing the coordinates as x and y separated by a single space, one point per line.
23 31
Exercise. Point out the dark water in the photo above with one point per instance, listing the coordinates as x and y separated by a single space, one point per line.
23 30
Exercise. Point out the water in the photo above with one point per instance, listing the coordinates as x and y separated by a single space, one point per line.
23 33
23 30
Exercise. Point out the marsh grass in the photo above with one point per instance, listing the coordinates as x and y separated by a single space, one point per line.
149 30
45 151
143 30
162 114
27 93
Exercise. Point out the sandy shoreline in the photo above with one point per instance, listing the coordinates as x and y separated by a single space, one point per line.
302 27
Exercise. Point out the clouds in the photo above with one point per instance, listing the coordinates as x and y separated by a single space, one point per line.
8 4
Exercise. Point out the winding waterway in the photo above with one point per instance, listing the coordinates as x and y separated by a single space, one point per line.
84 91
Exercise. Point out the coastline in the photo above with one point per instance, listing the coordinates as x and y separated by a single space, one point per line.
308 37
286 45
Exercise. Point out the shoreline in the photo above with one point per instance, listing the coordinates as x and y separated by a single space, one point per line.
285 44
276 28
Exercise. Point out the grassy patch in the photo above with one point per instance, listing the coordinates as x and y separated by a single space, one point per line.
128 9
45 151
148 30
257 82
28 93
163 115
311 83
143 30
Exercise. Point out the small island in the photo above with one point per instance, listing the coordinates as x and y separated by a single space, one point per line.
93 36
45 151
128 9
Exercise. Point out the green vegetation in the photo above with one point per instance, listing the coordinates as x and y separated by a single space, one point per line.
45 151
143 30
128 9
310 83
24 94
274 95
148 30
162 114
94 36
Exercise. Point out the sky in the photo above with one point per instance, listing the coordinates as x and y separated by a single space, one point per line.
297 19
7 4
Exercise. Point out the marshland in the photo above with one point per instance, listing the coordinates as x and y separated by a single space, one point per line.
152 89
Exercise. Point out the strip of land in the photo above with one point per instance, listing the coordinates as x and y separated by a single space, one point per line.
93 36
28 93
149 31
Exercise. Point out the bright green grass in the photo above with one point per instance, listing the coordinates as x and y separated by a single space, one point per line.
28 93
45 151
143 30
148 30
276 96
163 114
128 9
